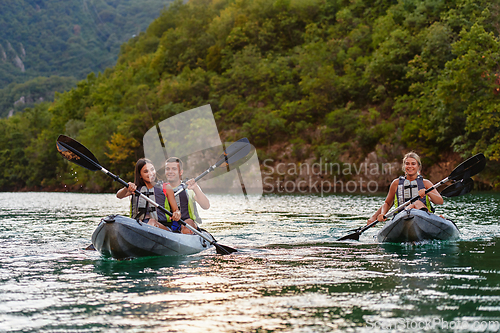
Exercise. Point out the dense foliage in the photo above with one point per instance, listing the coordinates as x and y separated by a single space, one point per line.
18 96
65 38
340 77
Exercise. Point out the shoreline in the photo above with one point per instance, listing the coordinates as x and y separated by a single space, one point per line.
483 188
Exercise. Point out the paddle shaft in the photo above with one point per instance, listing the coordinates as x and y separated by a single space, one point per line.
182 186
163 209
465 170
224 157
360 230
412 200
124 183
75 152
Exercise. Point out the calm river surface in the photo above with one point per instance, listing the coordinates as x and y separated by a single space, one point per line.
290 274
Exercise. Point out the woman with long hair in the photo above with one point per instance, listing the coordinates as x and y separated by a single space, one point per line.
140 208
408 186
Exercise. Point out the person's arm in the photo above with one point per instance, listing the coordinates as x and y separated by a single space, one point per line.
176 213
434 195
389 200
126 191
199 196
374 216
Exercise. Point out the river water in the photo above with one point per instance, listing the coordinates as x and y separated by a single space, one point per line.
289 274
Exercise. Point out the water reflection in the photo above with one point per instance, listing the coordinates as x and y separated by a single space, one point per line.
290 273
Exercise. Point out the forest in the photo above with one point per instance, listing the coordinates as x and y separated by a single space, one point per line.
331 79
64 40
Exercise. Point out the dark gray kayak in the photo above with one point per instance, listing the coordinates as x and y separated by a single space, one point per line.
415 225
121 237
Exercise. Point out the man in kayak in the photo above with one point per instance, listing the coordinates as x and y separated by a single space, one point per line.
145 181
404 188
187 199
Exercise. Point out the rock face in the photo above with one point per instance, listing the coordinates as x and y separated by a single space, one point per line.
23 51
12 55
18 63
3 55
21 100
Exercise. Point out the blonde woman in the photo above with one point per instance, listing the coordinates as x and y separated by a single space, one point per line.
408 186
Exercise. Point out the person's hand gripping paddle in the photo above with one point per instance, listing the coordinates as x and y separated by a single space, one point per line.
77 153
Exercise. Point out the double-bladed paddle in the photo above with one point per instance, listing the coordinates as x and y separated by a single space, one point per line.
77 153
461 175
456 189
234 153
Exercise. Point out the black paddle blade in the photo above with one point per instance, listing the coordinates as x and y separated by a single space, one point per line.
353 236
469 167
459 188
77 153
235 152
222 249
357 232
236 155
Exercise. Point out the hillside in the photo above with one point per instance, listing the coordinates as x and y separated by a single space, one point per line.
329 80
66 38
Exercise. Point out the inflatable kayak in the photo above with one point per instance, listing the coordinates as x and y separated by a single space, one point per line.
121 237
415 225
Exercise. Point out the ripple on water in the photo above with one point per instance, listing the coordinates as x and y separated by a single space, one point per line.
290 273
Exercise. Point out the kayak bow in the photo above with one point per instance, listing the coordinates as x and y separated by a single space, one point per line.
414 225
121 237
